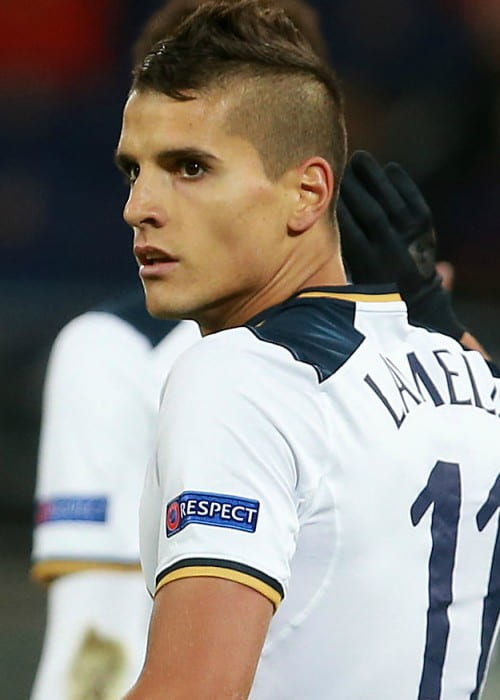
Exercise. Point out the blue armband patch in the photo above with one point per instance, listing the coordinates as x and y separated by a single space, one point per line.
83 509
211 509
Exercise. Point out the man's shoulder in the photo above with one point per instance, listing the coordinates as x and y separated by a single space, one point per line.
315 333
225 363
300 341
217 353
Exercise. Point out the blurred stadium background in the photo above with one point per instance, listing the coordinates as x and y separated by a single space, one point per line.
422 80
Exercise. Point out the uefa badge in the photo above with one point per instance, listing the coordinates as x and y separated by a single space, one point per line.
173 517
216 509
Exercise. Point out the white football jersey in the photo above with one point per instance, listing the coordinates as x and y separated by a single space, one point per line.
346 465
100 411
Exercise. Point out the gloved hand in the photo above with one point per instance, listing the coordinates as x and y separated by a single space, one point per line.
387 236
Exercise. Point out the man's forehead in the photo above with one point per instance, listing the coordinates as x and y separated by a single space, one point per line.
152 119
201 108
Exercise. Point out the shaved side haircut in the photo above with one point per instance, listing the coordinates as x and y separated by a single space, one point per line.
285 99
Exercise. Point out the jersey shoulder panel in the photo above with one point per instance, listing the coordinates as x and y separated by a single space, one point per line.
317 330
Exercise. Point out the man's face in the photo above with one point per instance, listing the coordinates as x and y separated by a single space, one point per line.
210 228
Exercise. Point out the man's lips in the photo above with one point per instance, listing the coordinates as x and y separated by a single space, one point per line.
154 263
148 255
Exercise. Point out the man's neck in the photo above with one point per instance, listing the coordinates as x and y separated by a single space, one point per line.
238 312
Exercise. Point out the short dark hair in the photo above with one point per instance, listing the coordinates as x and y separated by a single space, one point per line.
290 104
167 17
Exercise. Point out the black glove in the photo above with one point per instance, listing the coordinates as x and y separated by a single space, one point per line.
387 236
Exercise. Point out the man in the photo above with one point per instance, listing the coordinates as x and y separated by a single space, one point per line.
287 532
103 383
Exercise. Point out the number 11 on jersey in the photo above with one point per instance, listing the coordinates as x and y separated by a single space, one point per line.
444 490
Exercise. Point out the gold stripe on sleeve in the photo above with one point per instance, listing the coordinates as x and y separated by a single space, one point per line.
46 571
229 574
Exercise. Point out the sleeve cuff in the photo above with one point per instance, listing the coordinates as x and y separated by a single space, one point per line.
223 568
50 569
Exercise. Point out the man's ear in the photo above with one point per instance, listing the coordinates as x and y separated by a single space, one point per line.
313 182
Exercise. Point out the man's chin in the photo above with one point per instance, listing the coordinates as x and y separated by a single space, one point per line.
163 314
163 311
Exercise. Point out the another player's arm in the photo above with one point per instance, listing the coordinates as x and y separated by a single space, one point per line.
205 640
93 634
387 236
83 430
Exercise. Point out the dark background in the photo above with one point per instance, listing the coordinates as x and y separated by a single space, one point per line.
422 84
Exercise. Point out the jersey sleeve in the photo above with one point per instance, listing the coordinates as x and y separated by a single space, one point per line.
225 475
97 431
95 648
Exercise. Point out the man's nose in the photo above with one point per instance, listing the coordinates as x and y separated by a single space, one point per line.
143 206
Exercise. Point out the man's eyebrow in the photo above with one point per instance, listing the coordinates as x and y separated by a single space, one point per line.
124 160
187 152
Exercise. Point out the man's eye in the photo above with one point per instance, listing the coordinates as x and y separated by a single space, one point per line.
132 173
192 169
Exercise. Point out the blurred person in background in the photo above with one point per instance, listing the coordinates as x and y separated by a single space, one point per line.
474 208
428 79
